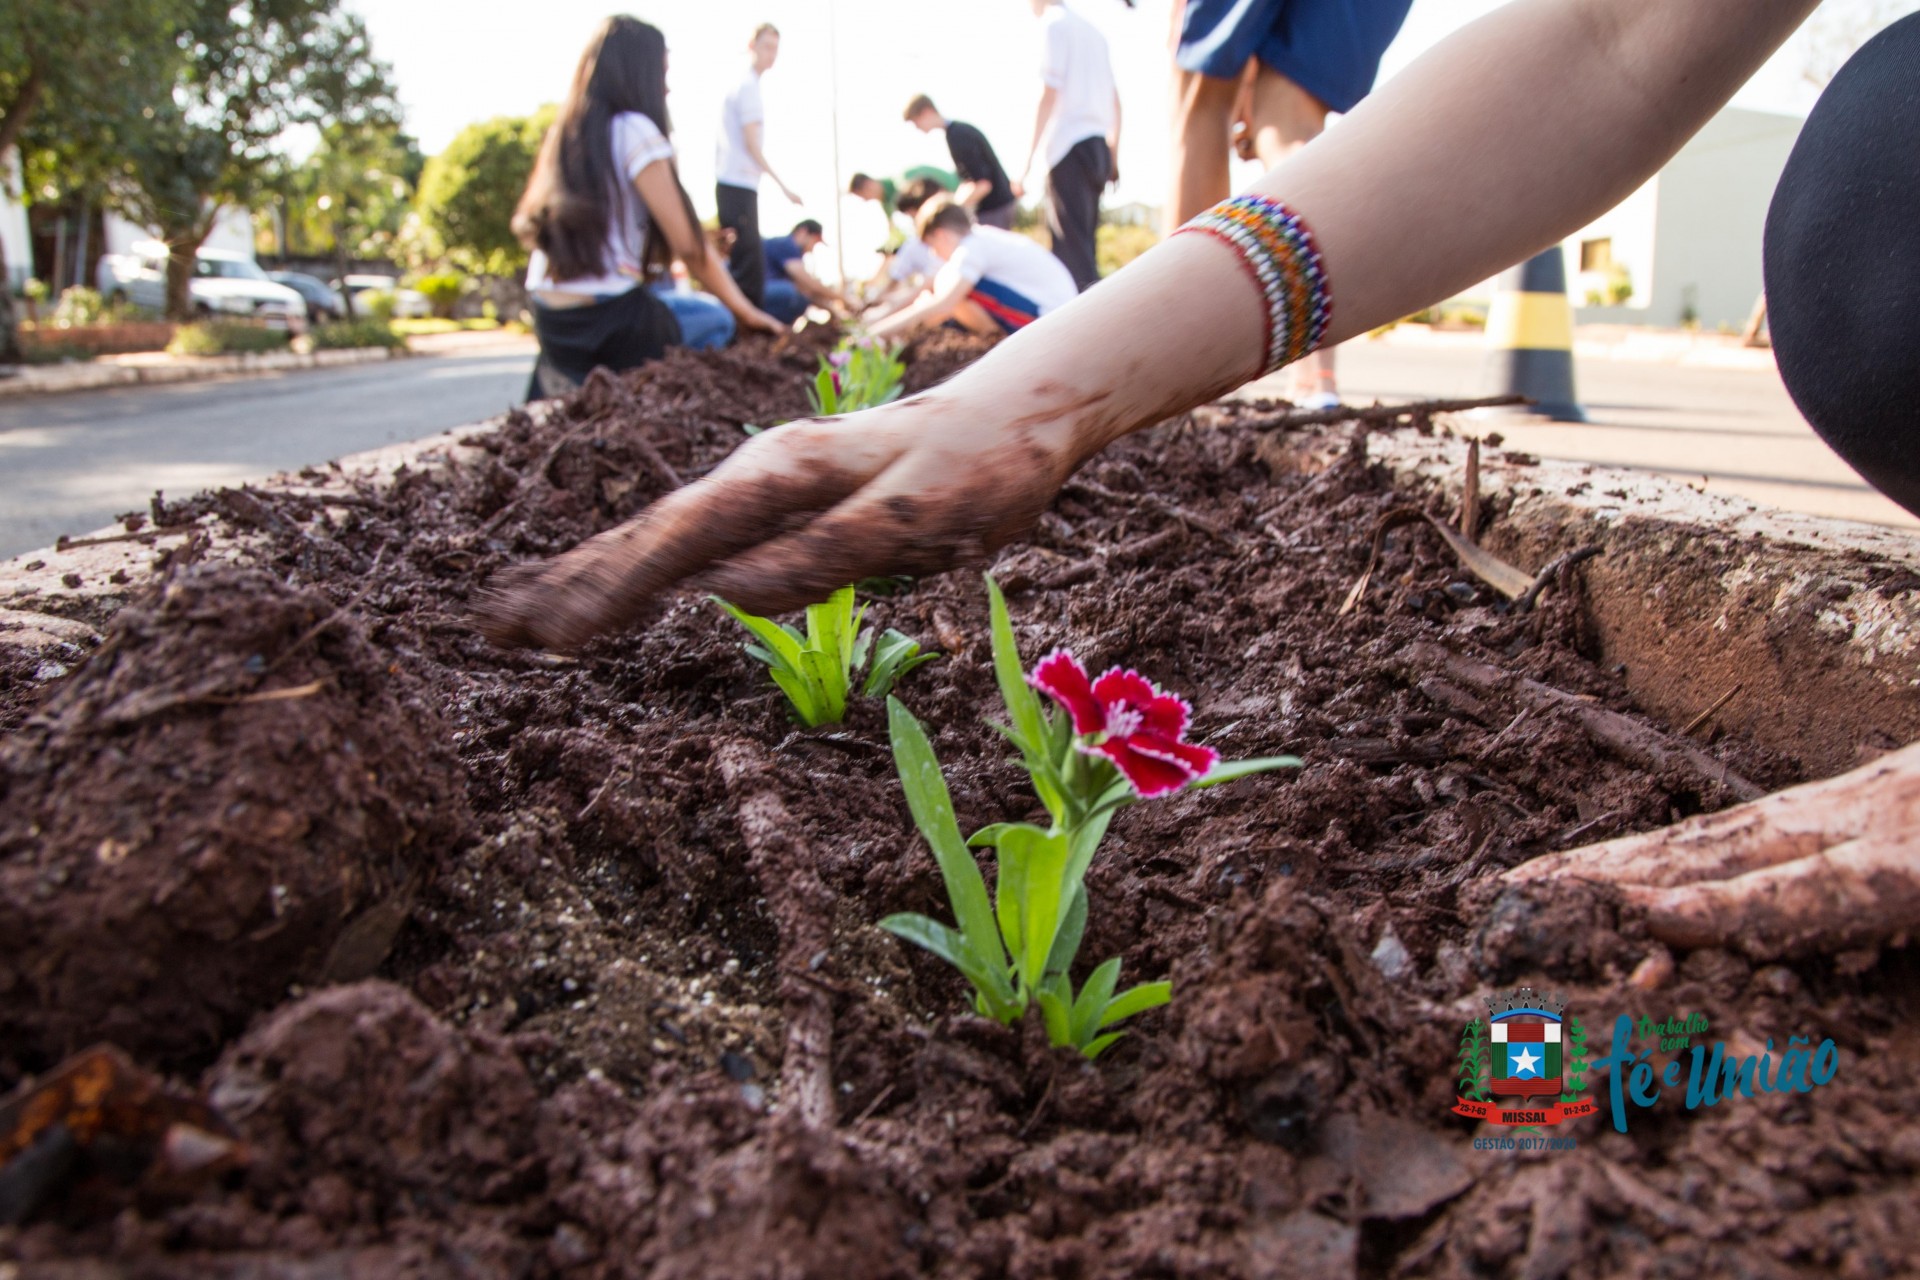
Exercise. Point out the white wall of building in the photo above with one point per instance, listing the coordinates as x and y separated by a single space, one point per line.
1691 237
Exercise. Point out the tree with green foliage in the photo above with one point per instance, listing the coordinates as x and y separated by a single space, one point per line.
249 71
351 197
468 192
70 72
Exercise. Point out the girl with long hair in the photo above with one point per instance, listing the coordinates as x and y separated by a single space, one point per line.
604 209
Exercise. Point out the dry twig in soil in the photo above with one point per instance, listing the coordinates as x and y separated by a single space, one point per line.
803 910
1640 744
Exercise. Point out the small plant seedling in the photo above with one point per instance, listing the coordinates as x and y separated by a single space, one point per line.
816 669
860 374
1016 949
1112 741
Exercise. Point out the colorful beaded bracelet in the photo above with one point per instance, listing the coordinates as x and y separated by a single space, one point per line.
1278 252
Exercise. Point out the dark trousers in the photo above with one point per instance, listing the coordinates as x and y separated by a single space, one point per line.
1073 207
740 213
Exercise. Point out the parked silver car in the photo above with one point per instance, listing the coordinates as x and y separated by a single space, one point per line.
408 304
223 284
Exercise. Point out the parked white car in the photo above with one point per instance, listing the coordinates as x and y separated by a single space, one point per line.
408 304
223 284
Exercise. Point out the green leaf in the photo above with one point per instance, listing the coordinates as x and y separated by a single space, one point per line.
894 655
750 429
932 809
1094 998
1058 1017
1073 926
988 836
1232 770
992 996
1086 839
1100 1044
1023 703
1037 861
808 699
924 931
861 647
829 681
1148 995
778 639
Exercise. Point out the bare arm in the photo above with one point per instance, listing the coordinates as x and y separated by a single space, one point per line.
1563 106
1113 139
813 289
751 135
660 190
1049 98
934 307
972 192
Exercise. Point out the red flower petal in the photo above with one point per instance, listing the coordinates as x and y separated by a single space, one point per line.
1193 756
1128 688
1061 677
1165 717
1149 775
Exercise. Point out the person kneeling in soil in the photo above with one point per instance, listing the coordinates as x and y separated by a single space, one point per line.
603 206
910 269
992 281
790 287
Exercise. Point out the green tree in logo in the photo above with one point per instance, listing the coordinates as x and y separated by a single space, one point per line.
1576 1059
1476 1063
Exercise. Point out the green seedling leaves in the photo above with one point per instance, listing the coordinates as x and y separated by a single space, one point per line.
816 669
1233 770
932 810
893 656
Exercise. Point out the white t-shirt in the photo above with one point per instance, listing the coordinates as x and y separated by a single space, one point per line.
913 259
1075 64
1012 261
637 142
733 163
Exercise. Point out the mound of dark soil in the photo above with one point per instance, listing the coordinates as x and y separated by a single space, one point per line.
192 821
644 1023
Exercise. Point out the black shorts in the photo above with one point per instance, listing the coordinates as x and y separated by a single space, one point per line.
624 332
1842 262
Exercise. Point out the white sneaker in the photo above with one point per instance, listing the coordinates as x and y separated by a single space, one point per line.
1321 400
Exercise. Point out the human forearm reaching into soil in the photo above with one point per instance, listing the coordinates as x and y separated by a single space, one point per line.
1517 130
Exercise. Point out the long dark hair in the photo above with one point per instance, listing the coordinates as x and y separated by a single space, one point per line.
570 195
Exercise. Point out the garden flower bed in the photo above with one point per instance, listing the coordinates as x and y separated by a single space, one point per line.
496 963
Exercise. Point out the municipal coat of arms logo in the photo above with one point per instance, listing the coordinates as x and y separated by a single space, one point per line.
1525 1063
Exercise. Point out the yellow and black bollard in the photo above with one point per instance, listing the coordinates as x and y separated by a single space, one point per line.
1530 338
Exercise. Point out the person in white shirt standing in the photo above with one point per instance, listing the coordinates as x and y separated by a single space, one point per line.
740 162
1078 123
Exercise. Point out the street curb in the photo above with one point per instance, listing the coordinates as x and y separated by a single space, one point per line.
58 379
1814 621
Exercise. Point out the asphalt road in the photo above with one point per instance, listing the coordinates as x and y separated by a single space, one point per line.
71 463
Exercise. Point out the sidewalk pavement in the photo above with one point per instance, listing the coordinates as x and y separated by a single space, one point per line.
1677 347
156 367
1697 408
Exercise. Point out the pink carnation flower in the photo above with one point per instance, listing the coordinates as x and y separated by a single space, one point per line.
1124 718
